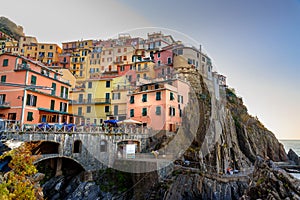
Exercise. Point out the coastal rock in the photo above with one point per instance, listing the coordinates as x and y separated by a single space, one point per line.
293 157
197 186
271 183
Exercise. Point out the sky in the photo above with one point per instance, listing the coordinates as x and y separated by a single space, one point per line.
254 43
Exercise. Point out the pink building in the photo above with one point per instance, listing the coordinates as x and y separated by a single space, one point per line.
160 104
163 63
23 94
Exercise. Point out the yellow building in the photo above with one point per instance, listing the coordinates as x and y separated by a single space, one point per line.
74 46
79 64
145 69
26 41
11 46
92 100
120 91
48 53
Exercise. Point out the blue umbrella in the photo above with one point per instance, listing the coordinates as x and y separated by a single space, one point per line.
111 121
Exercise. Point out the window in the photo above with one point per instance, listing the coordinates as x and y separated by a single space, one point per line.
203 59
63 107
158 95
124 57
122 68
33 80
50 47
64 92
162 71
50 55
180 113
158 54
29 116
89 98
106 109
172 96
144 98
131 99
131 112
107 96
171 111
79 110
31 100
119 50
116 110
42 47
168 70
125 49
88 109
80 98
158 110
107 84
3 78
116 96
103 146
156 86
53 91
2 98
144 88
52 105
180 51
169 60
77 146
158 63
5 63
190 61
144 112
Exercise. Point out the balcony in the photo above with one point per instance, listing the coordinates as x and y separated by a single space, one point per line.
22 66
91 101
145 69
118 62
4 105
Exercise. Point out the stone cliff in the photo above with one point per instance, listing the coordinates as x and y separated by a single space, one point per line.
227 136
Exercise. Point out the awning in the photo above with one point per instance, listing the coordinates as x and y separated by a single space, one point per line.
54 111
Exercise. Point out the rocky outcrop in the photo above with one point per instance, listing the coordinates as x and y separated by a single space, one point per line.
293 157
197 186
270 182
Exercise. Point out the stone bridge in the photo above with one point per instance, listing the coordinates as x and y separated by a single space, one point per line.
93 151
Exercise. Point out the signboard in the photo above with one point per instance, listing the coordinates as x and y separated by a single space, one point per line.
130 150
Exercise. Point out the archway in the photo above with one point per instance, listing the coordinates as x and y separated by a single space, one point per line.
62 171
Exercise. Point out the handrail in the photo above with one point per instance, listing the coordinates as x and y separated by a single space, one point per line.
72 128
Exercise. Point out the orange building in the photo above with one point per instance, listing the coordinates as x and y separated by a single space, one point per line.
25 94
159 104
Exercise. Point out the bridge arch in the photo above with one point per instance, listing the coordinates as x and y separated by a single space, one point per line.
61 162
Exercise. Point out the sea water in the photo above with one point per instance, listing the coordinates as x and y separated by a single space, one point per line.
295 145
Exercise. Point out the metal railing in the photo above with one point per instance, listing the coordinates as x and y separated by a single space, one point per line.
15 127
4 104
88 101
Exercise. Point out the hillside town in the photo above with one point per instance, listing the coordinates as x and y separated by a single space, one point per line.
88 82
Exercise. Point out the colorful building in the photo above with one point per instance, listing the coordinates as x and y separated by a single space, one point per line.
159 104
92 100
25 94
48 54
